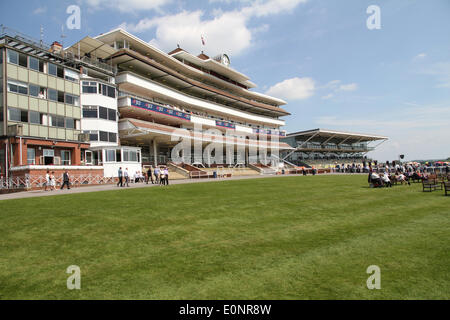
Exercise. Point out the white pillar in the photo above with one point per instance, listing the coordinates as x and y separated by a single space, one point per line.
155 152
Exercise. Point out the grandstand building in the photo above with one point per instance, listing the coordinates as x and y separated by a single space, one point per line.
164 98
116 101
324 148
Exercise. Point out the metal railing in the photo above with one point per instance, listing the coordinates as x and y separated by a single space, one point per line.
32 182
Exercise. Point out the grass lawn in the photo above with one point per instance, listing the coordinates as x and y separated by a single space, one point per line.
276 238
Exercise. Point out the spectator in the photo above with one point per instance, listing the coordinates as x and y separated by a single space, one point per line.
66 181
385 177
120 183
156 174
52 181
127 178
47 181
166 173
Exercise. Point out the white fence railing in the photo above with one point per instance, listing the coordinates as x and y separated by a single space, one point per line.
33 182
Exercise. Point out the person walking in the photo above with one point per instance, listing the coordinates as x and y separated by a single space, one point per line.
47 181
120 183
66 181
127 178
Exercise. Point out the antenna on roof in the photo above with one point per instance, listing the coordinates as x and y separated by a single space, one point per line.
42 36
62 35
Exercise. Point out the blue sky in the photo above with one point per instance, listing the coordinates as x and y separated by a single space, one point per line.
318 55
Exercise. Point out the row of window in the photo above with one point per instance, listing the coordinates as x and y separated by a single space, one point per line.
114 155
97 112
33 63
34 117
102 136
43 93
98 88
49 153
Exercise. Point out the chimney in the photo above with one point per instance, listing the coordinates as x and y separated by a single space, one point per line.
56 47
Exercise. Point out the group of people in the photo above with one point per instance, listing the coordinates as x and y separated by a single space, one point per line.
159 175
50 181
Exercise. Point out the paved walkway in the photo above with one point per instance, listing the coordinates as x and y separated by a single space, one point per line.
109 187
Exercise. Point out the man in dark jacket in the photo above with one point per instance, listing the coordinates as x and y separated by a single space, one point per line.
66 180
120 173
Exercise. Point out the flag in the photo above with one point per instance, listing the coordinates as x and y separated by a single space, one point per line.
203 41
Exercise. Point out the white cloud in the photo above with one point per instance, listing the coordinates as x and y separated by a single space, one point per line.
293 89
420 56
328 96
127 5
226 32
406 128
348 87
441 71
40 10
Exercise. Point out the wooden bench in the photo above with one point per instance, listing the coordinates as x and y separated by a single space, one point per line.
431 185
447 187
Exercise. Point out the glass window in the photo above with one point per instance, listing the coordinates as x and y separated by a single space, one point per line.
31 156
35 117
71 75
57 121
34 90
111 92
112 137
18 87
103 113
104 136
93 135
70 123
34 63
71 99
23 60
110 155
89 87
60 72
52 94
14 114
52 69
65 157
61 96
90 112
13 57
112 114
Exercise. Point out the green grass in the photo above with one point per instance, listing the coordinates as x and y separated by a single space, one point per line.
277 238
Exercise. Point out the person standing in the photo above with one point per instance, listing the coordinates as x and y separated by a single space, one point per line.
120 174
162 177
166 174
127 177
156 173
47 181
52 181
66 181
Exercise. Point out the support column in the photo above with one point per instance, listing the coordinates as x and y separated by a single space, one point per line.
76 156
155 152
